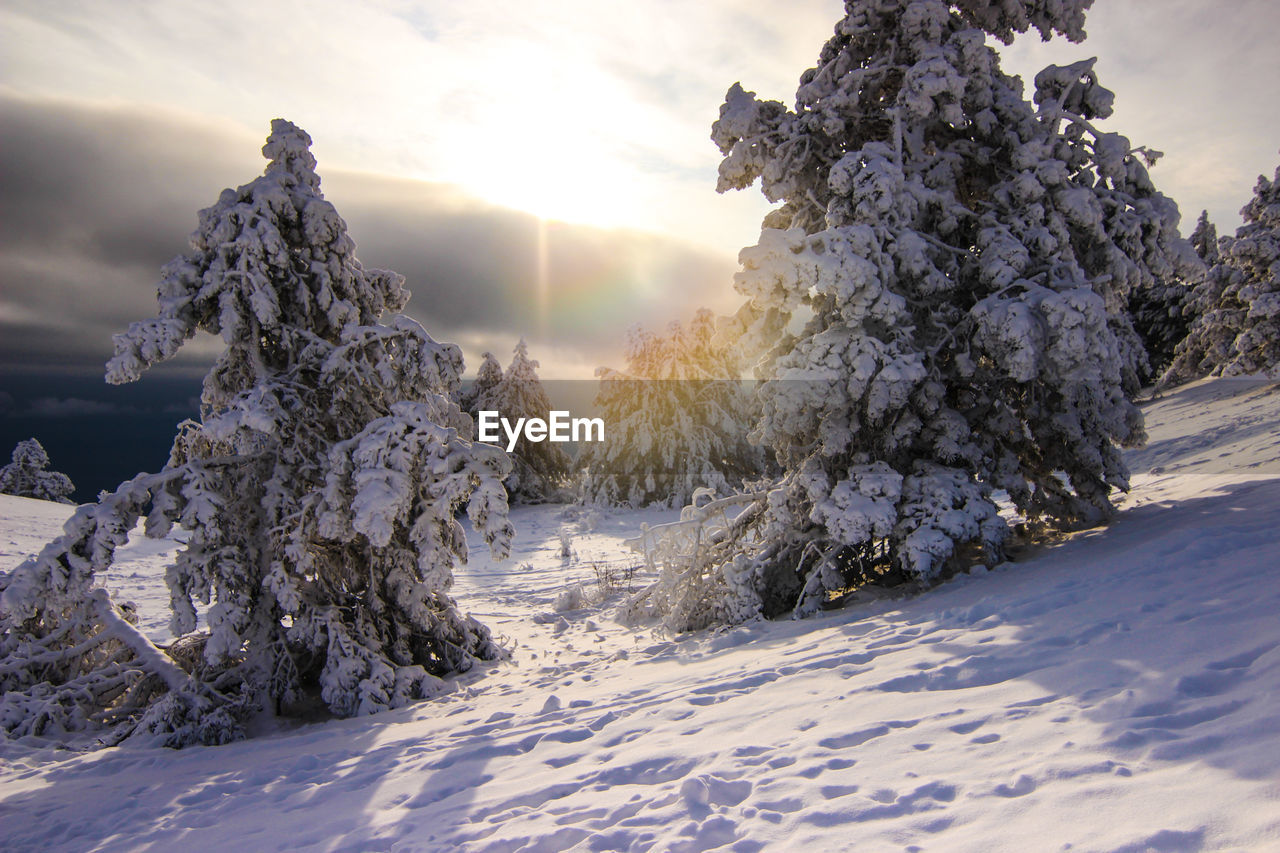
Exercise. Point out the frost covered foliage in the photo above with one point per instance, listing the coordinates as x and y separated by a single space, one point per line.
320 489
541 469
28 475
676 421
1165 315
1237 327
940 298
1163 308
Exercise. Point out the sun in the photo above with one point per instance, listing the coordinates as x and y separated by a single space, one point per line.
544 140
555 179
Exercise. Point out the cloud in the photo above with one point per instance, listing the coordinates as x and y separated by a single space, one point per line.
72 407
105 196
189 408
581 110
590 111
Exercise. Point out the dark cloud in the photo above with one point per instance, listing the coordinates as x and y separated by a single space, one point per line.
74 407
97 434
95 200
92 202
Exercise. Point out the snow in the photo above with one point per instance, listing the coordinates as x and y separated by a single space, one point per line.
1116 691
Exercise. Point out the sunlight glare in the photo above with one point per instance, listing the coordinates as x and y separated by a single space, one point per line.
544 141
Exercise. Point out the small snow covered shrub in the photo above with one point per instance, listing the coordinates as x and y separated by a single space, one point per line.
939 301
320 488
27 476
608 580
1237 307
567 553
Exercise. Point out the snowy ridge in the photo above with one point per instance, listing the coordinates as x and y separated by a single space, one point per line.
1116 691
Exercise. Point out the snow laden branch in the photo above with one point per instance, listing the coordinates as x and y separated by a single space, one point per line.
70 659
690 591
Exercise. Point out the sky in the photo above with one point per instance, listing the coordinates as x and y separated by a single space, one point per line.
539 168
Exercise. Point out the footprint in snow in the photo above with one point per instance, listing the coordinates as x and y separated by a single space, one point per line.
700 793
1244 660
967 728
853 738
834 792
1210 682
1025 785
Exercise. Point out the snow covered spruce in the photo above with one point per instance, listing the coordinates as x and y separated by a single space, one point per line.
939 303
541 470
678 421
319 490
1163 308
487 378
1236 330
28 475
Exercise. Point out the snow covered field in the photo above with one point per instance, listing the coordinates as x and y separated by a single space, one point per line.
1117 691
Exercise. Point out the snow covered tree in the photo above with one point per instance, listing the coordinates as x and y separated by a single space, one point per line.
1204 240
940 299
1218 315
540 468
1165 313
1162 310
1161 317
1255 253
319 489
1237 327
676 421
487 378
27 476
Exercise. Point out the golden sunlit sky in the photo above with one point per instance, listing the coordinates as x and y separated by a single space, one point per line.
533 168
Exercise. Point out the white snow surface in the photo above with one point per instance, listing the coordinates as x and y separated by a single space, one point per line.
1117 691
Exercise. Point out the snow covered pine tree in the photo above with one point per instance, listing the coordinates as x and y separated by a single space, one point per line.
1237 328
487 378
1204 240
540 468
27 476
1163 308
319 489
940 299
677 421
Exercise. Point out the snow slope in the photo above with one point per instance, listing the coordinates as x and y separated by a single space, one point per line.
1117 691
